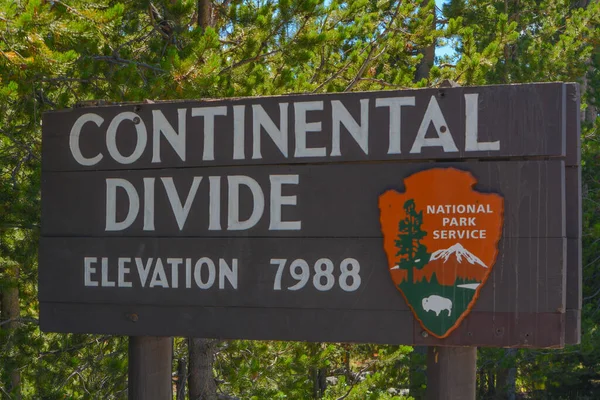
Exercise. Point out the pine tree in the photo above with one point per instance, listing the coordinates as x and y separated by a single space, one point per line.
413 254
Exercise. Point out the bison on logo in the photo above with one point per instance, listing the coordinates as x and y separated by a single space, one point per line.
441 241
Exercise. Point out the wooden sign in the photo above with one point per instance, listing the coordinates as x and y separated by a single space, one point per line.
285 218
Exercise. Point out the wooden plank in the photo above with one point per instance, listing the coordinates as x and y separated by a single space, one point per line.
529 274
230 323
573 121
528 120
573 201
573 327
332 200
536 330
574 253
574 291
573 215
574 226
365 326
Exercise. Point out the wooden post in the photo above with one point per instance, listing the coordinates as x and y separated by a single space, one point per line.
150 360
451 373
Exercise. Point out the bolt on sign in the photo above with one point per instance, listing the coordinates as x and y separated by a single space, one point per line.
446 216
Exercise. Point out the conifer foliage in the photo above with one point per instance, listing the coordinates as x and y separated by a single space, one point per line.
56 53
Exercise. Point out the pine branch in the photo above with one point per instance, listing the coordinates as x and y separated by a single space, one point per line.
118 60
8 396
335 75
356 380
73 10
137 39
76 347
67 79
249 60
592 296
20 320
373 46
361 70
264 44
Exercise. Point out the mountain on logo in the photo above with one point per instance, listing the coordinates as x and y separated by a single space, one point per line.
452 264
459 252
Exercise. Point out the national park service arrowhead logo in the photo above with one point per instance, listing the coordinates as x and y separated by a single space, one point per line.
441 240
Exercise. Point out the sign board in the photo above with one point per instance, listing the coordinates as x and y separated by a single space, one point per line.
445 216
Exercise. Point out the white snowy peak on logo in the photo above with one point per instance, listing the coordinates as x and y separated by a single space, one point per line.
459 252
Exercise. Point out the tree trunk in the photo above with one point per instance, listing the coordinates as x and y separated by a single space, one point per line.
9 315
318 374
505 378
314 375
416 373
181 379
481 384
501 378
591 112
491 383
428 52
201 381
347 368
582 3
319 382
511 382
205 14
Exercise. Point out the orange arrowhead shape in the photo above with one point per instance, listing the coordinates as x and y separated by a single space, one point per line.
441 240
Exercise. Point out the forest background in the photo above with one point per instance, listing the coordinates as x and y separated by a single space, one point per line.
56 53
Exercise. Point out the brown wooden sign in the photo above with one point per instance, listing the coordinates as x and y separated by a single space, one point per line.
285 217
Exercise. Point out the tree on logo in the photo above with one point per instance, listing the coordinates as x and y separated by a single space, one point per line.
412 252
